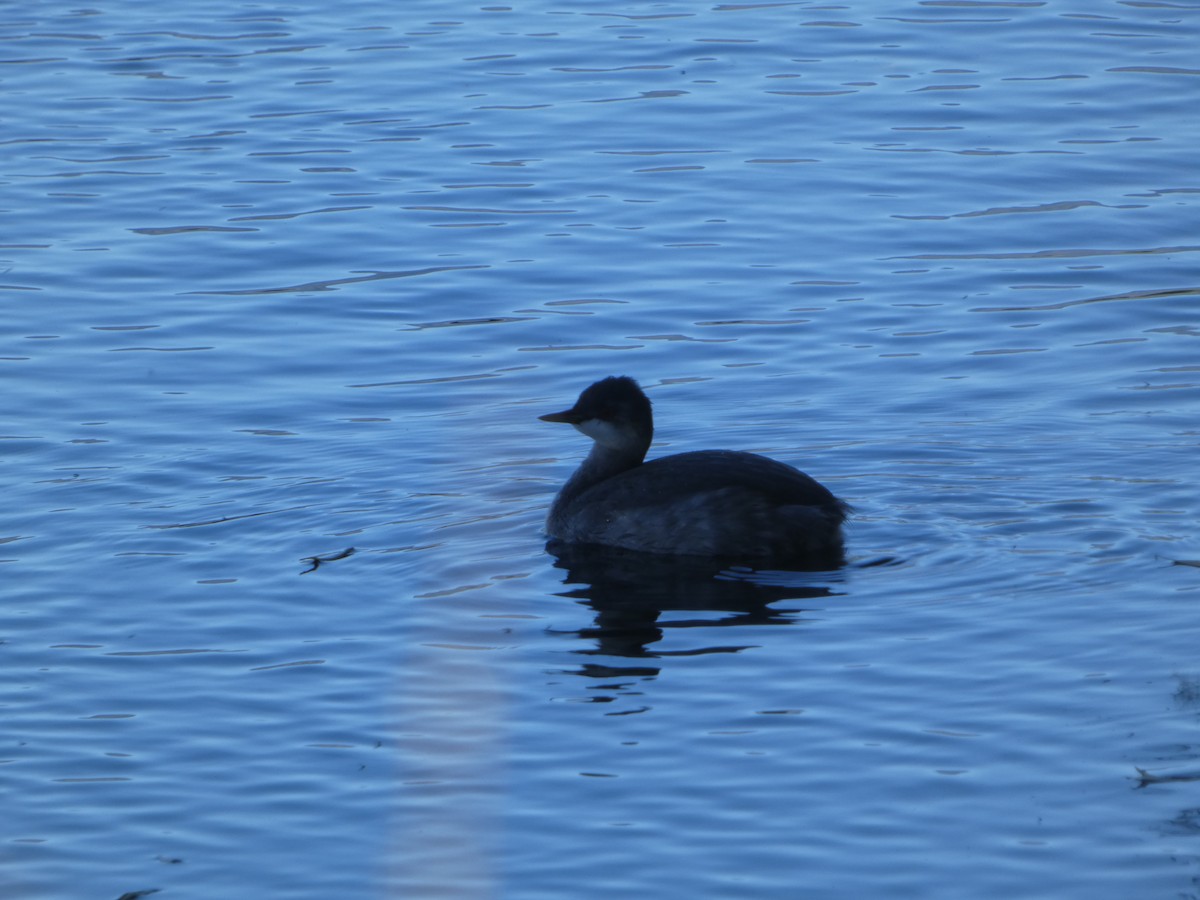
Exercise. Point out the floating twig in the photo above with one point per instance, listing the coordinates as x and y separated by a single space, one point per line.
317 560
1151 778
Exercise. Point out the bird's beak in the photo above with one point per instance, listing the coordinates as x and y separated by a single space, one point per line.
569 416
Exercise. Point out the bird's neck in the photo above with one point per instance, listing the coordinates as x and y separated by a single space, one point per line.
605 461
602 463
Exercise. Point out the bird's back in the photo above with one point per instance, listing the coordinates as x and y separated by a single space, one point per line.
713 503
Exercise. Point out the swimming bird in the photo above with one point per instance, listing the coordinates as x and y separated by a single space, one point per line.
716 503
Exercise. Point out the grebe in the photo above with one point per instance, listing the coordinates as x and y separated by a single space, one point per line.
717 503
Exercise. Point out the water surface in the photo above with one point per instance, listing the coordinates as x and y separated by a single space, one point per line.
283 281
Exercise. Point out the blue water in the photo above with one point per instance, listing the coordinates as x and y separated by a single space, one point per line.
281 281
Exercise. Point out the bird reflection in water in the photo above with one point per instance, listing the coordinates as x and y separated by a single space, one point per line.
631 591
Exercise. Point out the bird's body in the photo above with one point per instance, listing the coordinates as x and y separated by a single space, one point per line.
716 503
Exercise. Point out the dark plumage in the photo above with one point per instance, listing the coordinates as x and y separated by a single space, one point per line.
720 503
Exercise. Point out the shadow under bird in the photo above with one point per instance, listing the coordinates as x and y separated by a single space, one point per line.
724 504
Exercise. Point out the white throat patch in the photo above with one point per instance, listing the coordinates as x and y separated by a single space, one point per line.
605 433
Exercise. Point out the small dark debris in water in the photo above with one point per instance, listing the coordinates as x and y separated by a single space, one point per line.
317 560
1146 778
136 895
1195 563
170 860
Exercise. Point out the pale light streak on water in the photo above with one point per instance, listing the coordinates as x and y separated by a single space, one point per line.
282 281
